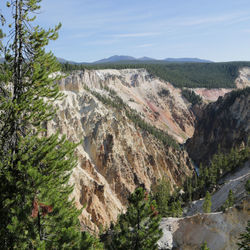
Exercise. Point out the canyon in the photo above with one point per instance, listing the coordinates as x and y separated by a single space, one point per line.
114 154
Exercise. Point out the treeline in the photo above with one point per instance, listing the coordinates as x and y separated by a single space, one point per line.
201 184
190 75
117 103
191 96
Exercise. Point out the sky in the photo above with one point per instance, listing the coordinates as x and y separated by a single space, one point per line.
217 30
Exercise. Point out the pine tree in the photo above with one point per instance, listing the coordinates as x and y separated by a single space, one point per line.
179 208
244 243
247 186
230 198
138 228
204 246
90 242
161 194
35 210
207 203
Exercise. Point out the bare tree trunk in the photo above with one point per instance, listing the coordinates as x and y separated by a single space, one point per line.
17 74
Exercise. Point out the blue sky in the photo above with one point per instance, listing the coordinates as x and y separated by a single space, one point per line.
217 30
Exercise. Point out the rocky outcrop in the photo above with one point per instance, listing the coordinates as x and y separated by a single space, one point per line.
158 102
211 95
225 122
243 79
219 230
114 156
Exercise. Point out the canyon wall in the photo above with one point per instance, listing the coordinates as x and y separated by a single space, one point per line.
114 155
224 123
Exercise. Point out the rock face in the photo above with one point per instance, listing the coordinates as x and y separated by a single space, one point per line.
225 122
219 230
243 80
158 102
211 95
114 156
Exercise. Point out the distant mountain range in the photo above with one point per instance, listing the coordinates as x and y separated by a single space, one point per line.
121 58
116 59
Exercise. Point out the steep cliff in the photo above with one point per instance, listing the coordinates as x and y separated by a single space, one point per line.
158 102
225 122
114 155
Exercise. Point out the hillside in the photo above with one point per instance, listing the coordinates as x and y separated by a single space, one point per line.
191 75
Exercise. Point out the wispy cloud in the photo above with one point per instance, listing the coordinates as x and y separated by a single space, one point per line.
100 42
146 45
210 19
127 35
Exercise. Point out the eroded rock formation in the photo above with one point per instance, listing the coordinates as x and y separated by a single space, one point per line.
225 122
219 230
114 155
158 102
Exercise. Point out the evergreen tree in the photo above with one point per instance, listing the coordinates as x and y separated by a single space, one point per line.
161 193
35 210
244 243
207 203
138 228
178 209
204 246
229 202
247 186
89 242
230 198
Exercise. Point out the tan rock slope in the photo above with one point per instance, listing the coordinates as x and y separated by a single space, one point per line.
114 155
158 102
219 230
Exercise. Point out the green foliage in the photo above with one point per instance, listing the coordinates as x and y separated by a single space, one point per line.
232 97
247 186
197 187
209 176
175 208
89 242
169 204
230 198
117 103
244 243
204 246
161 194
191 96
229 202
207 203
35 209
164 93
190 75
138 228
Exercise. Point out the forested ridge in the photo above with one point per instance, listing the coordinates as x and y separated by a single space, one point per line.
191 75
